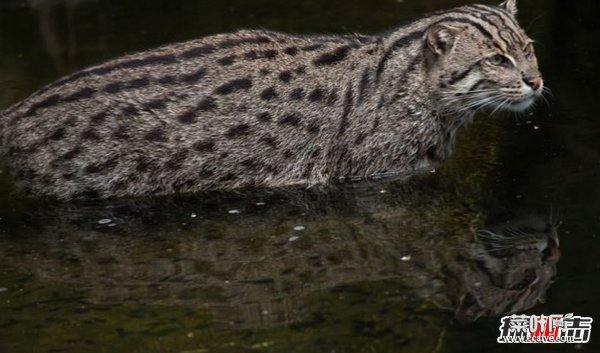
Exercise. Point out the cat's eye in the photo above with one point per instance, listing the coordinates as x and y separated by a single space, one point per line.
500 60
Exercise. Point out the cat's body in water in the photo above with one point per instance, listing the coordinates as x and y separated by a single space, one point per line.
266 109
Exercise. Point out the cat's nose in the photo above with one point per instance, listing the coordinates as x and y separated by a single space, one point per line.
534 82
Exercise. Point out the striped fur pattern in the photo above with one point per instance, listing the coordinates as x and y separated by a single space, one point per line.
266 109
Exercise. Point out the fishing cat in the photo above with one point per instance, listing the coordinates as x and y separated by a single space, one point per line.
266 109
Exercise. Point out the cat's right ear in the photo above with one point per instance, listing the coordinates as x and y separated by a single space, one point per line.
510 6
440 38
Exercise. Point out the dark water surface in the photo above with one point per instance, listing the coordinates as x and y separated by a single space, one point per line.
378 267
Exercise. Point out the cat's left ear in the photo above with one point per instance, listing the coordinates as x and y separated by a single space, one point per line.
440 38
510 6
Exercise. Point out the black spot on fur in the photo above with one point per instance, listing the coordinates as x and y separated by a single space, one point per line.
206 173
334 57
208 103
297 94
57 134
100 167
312 47
114 87
290 119
156 134
237 131
269 141
268 93
228 177
142 164
198 52
148 61
234 85
137 83
360 139
264 72
332 98
72 153
316 95
167 80
308 170
88 193
291 51
159 103
315 153
287 154
188 117
347 108
227 60
83 93
98 118
70 121
176 160
285 76
300 70
130 110
270 54
121 133
251 55
90 134
261 54
194 76
204 146
249 163
313 128
48 102
364 83
264 117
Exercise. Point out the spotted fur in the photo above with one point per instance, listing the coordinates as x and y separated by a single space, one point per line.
266 109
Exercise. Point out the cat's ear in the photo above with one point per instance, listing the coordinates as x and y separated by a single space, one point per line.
440 38
510 6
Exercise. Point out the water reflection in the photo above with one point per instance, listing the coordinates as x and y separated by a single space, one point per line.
256 267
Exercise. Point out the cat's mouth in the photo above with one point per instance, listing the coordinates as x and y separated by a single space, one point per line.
521 104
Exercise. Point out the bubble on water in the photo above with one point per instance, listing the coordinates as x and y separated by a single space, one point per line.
105 221
260 204
193 215
406 258
3 289
293 239
234 211
535 127
299 228
382 191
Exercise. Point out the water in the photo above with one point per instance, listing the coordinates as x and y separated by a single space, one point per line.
378 267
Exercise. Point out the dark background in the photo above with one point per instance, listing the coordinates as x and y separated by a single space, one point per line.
551 159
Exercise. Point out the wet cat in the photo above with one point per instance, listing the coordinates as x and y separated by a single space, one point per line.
266 109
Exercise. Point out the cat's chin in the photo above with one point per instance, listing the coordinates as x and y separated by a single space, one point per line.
521 105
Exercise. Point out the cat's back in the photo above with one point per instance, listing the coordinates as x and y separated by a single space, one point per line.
181 117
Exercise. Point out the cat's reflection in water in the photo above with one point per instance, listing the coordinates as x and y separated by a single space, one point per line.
257 268
515 264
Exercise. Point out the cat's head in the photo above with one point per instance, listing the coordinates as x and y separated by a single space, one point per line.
483 59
